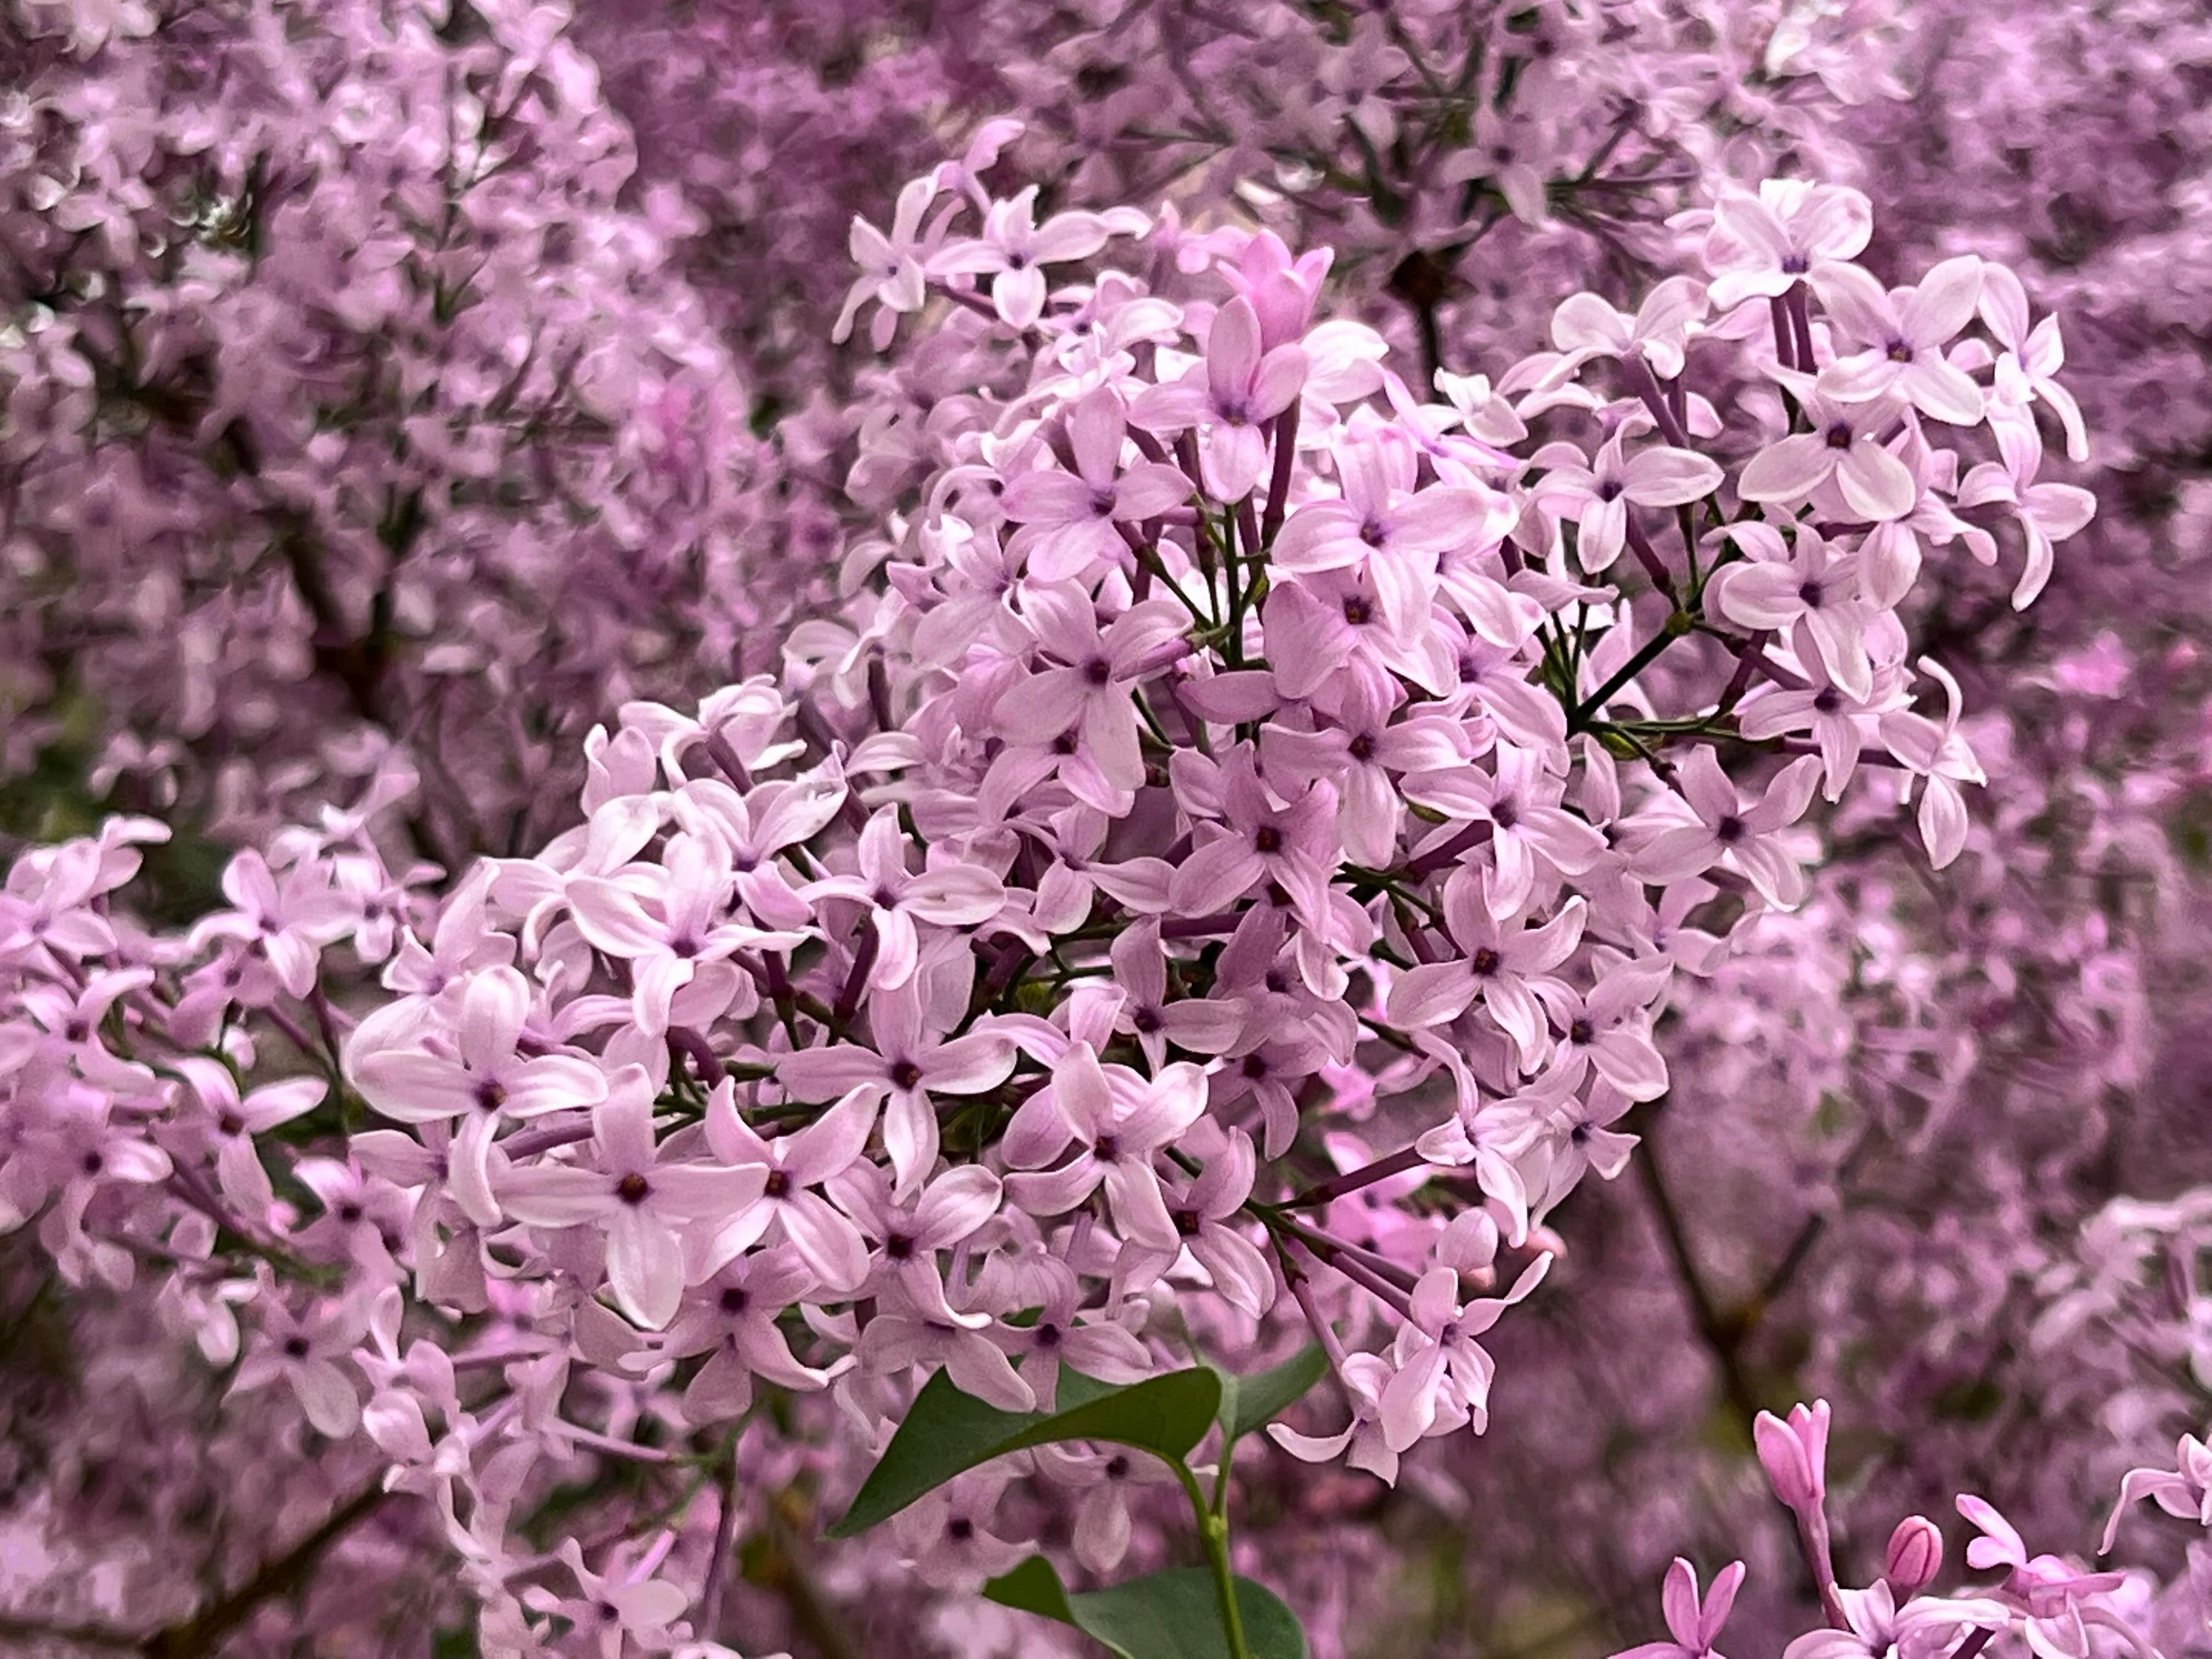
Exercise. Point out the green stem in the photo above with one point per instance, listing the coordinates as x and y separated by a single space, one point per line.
1213 1532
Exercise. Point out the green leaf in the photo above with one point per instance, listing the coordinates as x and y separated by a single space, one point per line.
947 1432
1162 1615
1249 1403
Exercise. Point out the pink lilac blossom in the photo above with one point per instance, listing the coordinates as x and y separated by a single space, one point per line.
1372 773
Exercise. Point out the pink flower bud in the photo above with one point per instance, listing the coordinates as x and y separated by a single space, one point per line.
1794 1454
1915 1556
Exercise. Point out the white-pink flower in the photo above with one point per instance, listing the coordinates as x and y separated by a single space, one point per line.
1227 399
1073 516
1599 495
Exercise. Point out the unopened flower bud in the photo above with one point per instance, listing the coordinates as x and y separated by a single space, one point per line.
1795 1455
1915 1556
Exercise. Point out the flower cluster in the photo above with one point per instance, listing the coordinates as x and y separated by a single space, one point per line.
1219 870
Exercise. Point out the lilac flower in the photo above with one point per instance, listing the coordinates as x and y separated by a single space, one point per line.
1073 516
1765 244
1601 494
911 1060
1794 1454
892 273
1382 517
1844 447
237 1120
952 895
1924 1626
1014 249
1363 1444
2047 513
823 1236
1204 1209
1584 326
1728 827
1808 588
303 1353
1117 1121
1903 333
1531 831
1437 1357
731 1319
2028 371
1695 1622
1940 760
1199 1025
945 1535
645 1200
1227 399
1293 845
684 927
1082 689
2184 1491
1498 960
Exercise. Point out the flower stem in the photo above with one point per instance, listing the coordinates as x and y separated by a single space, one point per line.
1213 1532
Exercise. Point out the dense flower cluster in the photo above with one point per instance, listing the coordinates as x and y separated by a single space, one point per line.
1212 825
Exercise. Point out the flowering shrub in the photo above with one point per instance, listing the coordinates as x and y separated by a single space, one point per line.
1077 1056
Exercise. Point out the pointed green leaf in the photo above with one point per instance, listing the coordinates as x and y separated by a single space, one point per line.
1250 1402
947 1432
1162 1615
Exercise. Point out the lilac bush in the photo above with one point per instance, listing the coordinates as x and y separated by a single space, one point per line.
722 855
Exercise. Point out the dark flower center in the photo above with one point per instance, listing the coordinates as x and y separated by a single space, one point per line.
904 1074
1485 961
633 1188
778 1185
1266 839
